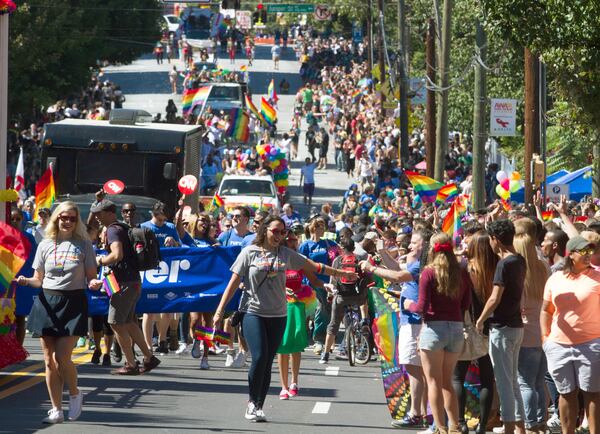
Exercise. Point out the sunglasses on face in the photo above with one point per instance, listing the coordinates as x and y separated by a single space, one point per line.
67 218
587 251
227 226
127 211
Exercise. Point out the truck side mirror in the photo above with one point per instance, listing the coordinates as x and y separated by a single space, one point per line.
170 171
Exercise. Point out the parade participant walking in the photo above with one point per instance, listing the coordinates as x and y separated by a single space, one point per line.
64 264
276 53
262 266
571 334
122 263
307 173
503 307
444 296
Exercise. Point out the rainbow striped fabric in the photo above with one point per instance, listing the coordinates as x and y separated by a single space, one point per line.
425 187
110 284
268 112
14 251
44 192
446 194
238 125
547 215
218 201
451 224
201 96
188 98
210 335
250 106
271 91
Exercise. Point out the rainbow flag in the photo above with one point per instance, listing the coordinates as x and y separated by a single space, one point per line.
14 251
110 284
210 335
505 205
218 201
188 98
451 224
250 106
268 112
446 194
425 187
44 192
271 91
238 125
244 68
547 215
201 96
356 94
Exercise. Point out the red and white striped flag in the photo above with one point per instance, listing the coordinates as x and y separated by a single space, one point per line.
20 177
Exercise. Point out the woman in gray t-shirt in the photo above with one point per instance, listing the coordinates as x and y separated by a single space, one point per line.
261 267
65 265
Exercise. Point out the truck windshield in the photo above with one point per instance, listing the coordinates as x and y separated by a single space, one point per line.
224 93
247 187
197 27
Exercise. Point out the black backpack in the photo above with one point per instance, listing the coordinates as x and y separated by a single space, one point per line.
346 286
144 245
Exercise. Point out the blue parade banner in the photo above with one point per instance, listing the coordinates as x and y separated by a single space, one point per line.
186 280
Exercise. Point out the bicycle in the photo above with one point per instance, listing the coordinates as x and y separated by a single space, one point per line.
356 337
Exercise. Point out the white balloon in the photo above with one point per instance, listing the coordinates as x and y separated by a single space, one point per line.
501 176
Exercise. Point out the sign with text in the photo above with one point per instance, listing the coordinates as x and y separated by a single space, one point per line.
503 117
299 8
555 191
243 19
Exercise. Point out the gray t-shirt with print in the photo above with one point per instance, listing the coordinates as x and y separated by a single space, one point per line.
64 263
263 274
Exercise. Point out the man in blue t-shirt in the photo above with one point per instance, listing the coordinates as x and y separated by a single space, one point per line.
165 231
290 216
239 234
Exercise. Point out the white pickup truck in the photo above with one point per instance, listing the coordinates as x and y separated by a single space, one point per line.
254 191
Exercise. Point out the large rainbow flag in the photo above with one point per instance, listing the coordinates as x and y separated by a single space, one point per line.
268 112
271 92
446 194
238 125
14 250
188 98
425 187
250 106
44 192
201 96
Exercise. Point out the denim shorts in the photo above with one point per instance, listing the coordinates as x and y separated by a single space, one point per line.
442 335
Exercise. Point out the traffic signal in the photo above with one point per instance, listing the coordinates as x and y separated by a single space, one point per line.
261 15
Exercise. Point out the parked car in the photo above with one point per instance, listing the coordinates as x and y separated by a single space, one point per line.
171 23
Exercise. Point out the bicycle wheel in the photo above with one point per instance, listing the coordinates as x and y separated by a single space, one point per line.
350 344
363 350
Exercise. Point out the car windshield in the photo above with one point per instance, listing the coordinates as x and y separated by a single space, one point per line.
172 19
247 187
224 93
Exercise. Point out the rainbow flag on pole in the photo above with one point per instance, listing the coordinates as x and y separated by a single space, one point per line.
201 96
446 194
271 92
547 215
44 192
451 224
425 187
268 112
14 251
188 98
110 285
238 125
218 201
250 106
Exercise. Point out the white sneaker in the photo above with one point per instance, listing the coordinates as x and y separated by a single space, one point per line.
498 430
183 348
553 423
75 406
204 364
54 416
318 348
260 415
229 359
218 349
196 351
251 412
239 361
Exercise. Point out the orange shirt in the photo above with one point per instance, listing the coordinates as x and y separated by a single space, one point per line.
576 299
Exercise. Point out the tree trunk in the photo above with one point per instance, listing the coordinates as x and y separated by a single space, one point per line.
532 125
442 120
479 125
403 85
430 107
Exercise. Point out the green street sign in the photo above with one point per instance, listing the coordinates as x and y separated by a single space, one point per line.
298 8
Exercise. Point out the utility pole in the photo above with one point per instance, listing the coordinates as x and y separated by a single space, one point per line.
532 133
543 93
370 39
430 102
403 85
442 120
3 106
381 52
479 116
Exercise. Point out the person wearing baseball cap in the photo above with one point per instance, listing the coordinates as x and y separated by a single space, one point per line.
571 332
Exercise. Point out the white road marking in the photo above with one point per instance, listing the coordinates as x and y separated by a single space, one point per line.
332 370
321 407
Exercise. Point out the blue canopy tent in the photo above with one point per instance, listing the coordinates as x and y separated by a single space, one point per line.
580 183
519 195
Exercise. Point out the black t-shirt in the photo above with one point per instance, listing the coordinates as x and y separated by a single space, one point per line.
126 269
510 273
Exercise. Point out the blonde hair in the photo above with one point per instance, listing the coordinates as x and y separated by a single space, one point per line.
79 232
537 273
445 265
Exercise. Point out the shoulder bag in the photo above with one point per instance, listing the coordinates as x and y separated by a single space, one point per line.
476 344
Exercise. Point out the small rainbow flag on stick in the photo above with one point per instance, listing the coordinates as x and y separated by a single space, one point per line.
451 224
547 215
268 112
250 105
44 192
210 335
425 187
218 201
110 284
238 125
243 68
271 91
446 194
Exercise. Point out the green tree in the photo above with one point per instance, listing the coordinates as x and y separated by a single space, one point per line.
54 44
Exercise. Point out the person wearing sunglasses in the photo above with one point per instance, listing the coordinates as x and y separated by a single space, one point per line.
65 265
262 268
129 214
571 333
239 234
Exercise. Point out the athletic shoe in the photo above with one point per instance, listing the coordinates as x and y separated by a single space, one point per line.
260 415
324 358
293 390
162 348
409 421
251 412
81 342
498 430
149 365
54 416
229 359
196 353
204 364
182 348
216 348
239 360
553 424
96 356
91 345
284 395
75 406
106 360
318 348
341 354
118 354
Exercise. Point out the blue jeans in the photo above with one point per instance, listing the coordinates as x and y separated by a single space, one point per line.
263 336
532 367
504 352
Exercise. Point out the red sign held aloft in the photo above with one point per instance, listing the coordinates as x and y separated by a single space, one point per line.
187 184
114 186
